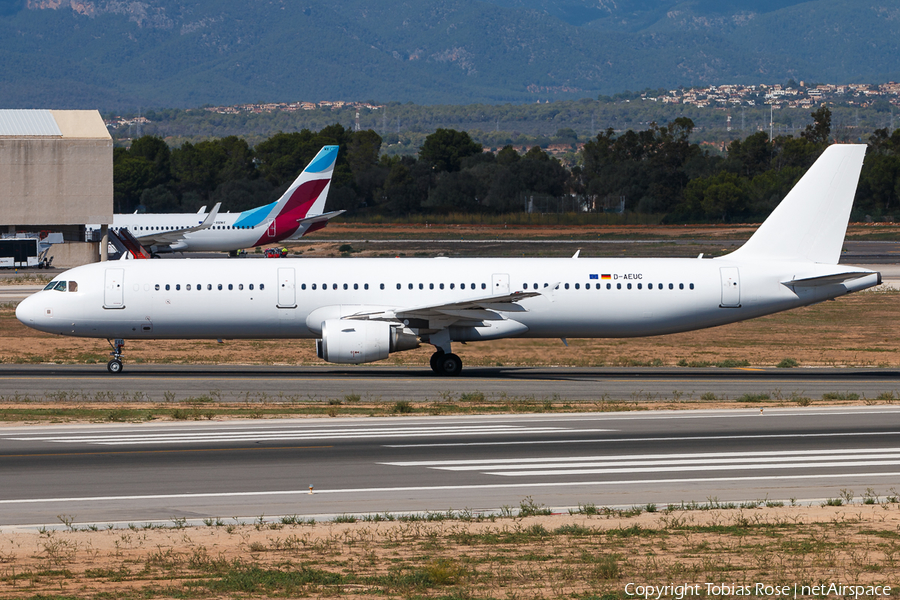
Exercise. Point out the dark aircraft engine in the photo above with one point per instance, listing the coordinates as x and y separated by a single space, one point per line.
355 342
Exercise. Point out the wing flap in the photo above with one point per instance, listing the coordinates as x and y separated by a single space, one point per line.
477 309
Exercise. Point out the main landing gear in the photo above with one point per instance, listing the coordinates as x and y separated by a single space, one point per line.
447 364
115 363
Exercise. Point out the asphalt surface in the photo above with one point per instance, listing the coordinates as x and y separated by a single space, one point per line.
388 384
119 473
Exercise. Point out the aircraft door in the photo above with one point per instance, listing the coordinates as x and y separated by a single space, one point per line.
500 283
287 294
731 287
113 289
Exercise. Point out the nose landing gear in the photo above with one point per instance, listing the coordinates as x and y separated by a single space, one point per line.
115 363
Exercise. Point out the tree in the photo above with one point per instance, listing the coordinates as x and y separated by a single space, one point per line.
507 155
155 150
817 133
457 191
445 149
131 176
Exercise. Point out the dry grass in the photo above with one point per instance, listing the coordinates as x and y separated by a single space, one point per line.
560 556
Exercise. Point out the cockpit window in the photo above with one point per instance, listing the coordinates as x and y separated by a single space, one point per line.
50 285
60 286
73 286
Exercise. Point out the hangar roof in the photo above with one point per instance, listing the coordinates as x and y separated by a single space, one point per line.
20 123
61 124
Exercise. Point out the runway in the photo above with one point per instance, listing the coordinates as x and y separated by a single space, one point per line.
389 384
102 474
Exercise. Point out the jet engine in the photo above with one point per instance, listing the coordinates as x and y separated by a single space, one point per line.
355 342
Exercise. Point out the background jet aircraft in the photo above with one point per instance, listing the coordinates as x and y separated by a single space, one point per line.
299 211
360 310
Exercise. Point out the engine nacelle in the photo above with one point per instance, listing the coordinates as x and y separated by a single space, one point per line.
353 342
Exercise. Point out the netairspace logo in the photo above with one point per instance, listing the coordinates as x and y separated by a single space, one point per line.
759 590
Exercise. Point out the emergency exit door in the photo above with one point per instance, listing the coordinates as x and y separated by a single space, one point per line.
731 287
287 294
500 284
113 289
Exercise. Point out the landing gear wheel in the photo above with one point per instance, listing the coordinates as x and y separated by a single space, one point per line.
448 365
115 363
434 361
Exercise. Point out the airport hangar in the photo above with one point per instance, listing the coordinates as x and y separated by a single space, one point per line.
56 175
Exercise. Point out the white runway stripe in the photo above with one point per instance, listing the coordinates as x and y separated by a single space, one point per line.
698 467
842 477
654 439
628 457
668 463
300 435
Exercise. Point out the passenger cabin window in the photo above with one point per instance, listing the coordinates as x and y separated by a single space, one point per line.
262 286
251 286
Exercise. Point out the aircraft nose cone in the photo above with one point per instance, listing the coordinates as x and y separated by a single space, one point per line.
25 311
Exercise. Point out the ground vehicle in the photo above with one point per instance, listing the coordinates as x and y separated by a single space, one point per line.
22 252
276 252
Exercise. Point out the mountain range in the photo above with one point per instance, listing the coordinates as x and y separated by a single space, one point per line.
119 55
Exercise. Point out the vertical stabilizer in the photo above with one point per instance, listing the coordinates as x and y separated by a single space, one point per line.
307 194
810 223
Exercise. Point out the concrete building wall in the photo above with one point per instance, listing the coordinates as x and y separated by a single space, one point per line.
58 180
73 254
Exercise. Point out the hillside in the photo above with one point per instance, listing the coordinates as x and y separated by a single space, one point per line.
113 55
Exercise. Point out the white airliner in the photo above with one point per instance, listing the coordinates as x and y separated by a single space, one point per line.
362 309
299 211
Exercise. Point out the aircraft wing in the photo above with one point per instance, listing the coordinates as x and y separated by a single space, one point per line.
440 316
166 238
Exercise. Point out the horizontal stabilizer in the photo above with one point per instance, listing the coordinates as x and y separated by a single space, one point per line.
319 218
831 279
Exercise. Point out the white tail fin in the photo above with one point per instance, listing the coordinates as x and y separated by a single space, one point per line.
810 223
